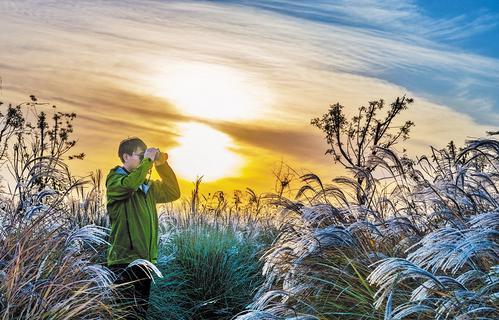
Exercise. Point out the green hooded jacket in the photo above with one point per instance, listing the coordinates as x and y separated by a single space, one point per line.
131 205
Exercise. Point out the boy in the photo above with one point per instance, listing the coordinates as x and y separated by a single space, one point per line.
131 205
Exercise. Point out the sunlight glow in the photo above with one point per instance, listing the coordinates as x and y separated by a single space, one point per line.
204 151
213 91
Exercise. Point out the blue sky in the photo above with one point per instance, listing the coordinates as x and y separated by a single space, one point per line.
485 42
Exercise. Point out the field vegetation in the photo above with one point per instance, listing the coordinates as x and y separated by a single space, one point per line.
395 238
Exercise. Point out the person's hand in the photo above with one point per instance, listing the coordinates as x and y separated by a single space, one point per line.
161 158
151 153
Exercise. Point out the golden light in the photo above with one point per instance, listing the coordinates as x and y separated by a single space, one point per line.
204 151
212 91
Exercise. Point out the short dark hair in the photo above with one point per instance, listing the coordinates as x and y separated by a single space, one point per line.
129 145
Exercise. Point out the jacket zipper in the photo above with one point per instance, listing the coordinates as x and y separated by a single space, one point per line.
150 240
150 225
128 229
150 215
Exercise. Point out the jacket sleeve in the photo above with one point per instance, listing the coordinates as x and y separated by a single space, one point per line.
166 189
121 187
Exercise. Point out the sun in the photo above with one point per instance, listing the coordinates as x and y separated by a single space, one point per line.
204 151
213 91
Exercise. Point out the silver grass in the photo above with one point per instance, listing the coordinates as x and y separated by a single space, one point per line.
268 298
440 212
89 235
477 313
485 220
317 214
450 248
265 315
391 271
445 250
34 211
408 309
472 276
46 192
364 226
426 289
484 146
147 267
257 315
102 276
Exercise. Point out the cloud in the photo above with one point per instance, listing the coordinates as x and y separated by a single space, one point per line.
393 16
297 143
392 40
104 60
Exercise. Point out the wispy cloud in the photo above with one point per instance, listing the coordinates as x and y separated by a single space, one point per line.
104 60
392 16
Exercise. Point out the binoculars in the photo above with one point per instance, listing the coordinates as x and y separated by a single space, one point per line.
158 155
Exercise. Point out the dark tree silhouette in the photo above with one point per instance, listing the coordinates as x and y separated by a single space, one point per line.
353 142
38 148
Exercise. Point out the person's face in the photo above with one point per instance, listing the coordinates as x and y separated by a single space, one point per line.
133 160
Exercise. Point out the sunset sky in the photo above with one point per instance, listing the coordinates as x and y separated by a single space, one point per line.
228 88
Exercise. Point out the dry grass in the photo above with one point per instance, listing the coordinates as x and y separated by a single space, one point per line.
49 241
422 244
413 239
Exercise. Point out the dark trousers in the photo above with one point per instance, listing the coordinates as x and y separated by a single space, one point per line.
133 290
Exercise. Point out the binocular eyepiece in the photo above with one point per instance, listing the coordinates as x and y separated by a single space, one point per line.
157 157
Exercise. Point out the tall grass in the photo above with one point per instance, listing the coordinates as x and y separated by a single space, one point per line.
53 231
452 273
48 256
53 226
413 239
422 243
210 263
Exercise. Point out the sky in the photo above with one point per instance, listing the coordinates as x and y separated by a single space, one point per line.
228 88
